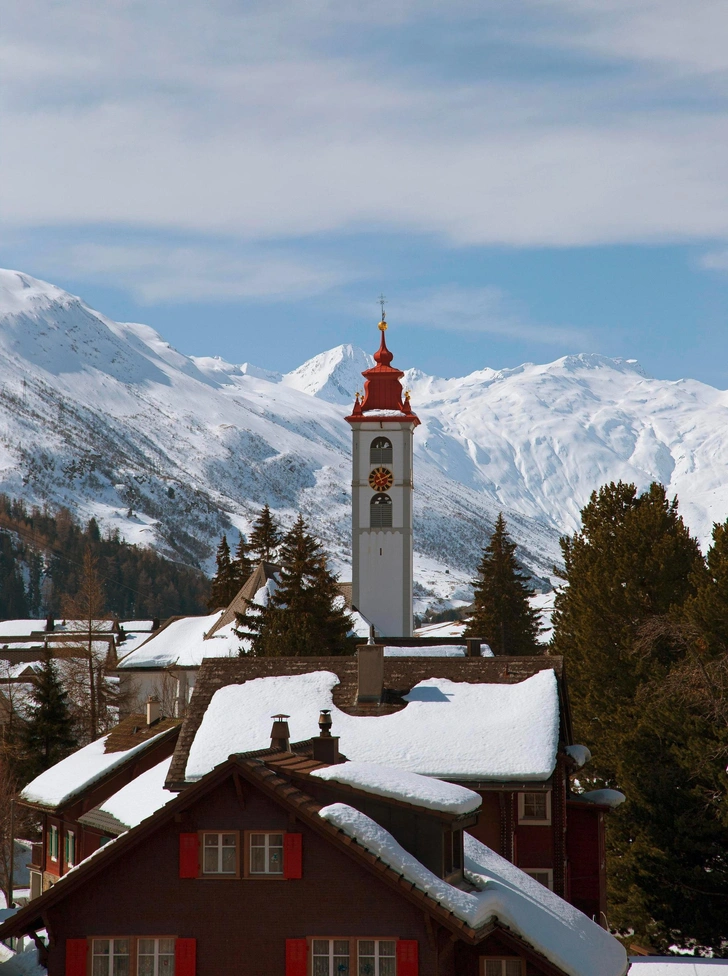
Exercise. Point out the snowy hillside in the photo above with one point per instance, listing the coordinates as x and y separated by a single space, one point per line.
110 420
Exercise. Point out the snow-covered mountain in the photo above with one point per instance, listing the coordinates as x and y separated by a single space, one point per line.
108 419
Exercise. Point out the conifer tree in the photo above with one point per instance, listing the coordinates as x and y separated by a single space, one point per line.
305 615
265 537
224 584
502 615
242 565
48 734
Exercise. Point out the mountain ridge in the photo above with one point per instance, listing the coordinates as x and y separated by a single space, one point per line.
110 420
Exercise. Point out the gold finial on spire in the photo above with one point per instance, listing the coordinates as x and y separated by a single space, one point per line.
383 324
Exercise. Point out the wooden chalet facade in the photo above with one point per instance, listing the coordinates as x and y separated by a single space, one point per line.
540 826
67 837
247 872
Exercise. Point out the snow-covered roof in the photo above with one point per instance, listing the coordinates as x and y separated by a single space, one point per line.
552 926
182 642
21 628
677 966
434 650
453 730
139 799
398 784
137 626
61 782
580 754
607 798
447 628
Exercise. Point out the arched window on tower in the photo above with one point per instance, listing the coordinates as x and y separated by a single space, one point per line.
380 512
380 451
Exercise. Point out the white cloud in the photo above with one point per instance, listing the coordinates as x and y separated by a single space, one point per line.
268 122
715 260
487 310
179 274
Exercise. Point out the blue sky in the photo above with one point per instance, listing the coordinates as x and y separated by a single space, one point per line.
521 178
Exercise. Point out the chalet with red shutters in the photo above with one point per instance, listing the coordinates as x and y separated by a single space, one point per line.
67 794
292 860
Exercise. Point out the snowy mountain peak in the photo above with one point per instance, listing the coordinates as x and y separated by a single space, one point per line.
334 375
21 293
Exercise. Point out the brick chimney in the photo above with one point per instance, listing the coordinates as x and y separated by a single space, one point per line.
326 745
370 659
154 709
280 736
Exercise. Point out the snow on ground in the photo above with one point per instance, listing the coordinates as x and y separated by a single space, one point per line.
57 784
677 966
552 926
183 643
141 798
448 729
422 791
21 963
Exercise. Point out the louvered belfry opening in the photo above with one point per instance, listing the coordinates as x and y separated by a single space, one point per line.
380 512
380 451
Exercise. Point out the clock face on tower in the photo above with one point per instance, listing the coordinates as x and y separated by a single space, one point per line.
381 479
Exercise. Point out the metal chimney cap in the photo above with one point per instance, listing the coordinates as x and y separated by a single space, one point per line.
324 722
281 717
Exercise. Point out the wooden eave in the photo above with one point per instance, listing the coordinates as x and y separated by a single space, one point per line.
90 795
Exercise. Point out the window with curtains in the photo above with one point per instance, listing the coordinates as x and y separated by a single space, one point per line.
502 966
110 957
330 957
265 853
220 853
155 957
377 957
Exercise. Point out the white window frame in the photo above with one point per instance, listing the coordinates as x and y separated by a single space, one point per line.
503 960
156 954
70 848
549 872
53 842
110 956
267 848
534 821
376 957
330 955
220 847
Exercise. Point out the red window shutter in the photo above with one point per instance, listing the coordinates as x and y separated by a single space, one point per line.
407 958
188 856
296 957
292 856
76 950
185 957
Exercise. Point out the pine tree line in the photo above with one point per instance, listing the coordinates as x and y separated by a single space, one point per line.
41 564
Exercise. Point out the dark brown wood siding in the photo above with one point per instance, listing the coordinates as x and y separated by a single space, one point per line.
237 919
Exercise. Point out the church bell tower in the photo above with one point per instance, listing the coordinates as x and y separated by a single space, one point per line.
382 425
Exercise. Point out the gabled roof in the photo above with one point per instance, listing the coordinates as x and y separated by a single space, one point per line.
262 573
565 927
250 728
182 642
134 802
97 763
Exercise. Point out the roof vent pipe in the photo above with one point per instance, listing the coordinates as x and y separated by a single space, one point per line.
326 745
280 736
154 709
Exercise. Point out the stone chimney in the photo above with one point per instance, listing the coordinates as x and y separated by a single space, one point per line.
280 736
473 644
154 710
50 624
326 745
370 659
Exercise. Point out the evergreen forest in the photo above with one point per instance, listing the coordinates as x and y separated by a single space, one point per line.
41 566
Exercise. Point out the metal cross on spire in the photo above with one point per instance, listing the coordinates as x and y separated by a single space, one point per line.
383 322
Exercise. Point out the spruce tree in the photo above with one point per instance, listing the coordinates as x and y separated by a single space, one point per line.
502 615
265 537
242 565
620 625
224 583
48 734
305 615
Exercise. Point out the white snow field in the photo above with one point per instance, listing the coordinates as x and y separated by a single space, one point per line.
448 729
108 419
